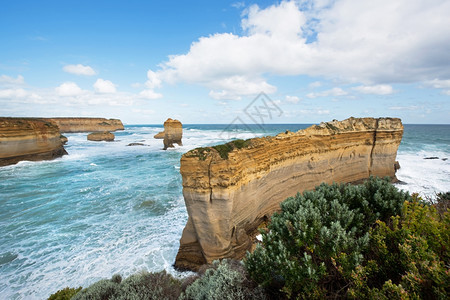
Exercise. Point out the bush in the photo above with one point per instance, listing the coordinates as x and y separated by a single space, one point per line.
313 245
223 280
408 257
101 290
139 286
64 294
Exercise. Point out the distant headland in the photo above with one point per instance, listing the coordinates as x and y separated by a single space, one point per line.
40 138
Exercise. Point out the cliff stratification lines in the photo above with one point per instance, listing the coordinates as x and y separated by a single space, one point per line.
229 194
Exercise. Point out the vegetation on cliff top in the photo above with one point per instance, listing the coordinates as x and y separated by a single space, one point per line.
369 241
222 149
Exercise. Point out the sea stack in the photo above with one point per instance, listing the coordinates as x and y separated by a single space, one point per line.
28 139
101 136
229 190
172 134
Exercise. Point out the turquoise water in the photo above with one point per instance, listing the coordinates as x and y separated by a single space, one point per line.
109 208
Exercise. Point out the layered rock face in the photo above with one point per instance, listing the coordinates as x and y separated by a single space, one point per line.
28 139
86 124
228 198
172 134
101 136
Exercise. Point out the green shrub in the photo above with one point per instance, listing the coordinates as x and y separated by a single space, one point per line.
224 280
313 245
138 286
409 257
150 286
64 294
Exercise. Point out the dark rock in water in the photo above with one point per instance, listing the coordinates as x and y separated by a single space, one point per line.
135 144
7 257
445 158
396 165
432 157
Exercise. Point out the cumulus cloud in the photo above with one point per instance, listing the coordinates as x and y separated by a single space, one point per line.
150 94
79 69
153 80
334 92
104 86
292 99
379 89
342 39
68 89
13 93
8 81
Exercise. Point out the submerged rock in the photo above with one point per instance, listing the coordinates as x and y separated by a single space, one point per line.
101 136
136 144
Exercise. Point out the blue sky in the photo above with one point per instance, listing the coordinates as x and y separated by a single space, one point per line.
205 61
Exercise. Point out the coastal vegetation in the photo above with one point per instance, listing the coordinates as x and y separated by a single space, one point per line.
368 241
222 149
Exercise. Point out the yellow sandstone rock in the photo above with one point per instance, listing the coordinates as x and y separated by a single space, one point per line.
172 134
28 139
86 124
228 198
101 136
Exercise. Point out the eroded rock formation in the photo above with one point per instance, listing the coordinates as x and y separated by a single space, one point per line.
86 124
172 134
230 190
28 139
101 136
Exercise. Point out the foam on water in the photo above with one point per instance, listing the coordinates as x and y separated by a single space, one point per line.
111 208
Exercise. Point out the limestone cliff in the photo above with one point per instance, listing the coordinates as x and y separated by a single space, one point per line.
28 139
86 124
230 190
172 134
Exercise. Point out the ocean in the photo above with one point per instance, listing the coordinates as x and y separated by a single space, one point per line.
108 208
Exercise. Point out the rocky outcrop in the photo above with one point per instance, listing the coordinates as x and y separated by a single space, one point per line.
28 139
64 139
229 190
159 135
172 134
71 125
101 136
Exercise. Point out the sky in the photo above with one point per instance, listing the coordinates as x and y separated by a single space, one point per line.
206 62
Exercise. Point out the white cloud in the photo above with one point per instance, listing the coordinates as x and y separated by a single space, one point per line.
150 94
7 80
238 5
446 92
315 84
352 44
379 89
334 92
292 99
104 86
13 93
439 84
68 89
412 107
79 69
153 80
